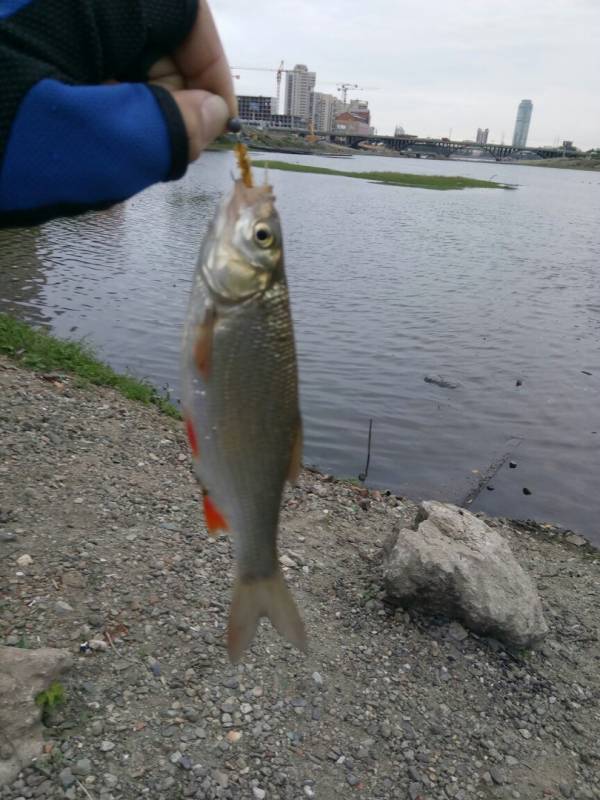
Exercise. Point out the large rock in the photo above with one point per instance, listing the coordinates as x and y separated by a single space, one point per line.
23 674
455 564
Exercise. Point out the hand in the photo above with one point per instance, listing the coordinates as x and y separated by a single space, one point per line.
99 100
199 77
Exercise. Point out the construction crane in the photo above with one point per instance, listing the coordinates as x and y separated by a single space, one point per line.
344 88
341 87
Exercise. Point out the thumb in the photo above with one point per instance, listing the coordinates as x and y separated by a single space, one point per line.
205 117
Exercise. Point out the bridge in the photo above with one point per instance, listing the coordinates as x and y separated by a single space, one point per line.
444 147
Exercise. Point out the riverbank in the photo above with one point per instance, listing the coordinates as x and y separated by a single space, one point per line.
589 164
283 142
97 490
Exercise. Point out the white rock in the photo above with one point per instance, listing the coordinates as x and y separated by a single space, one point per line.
286 561
258 793
25 560
98 644
455 564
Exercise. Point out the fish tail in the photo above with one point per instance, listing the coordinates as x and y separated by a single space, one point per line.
264 597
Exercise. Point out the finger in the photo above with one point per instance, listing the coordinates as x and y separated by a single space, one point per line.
165 73
205 116
202 60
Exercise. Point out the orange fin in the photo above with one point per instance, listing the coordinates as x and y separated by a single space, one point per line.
296 457
215 521
204 342
266 597
193 439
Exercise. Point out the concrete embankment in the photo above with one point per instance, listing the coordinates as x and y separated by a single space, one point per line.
97 492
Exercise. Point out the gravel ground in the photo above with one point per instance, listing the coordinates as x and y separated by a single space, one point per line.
98 492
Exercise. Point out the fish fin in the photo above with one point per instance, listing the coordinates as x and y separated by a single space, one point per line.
215 521
296 457
192 438
204 342
265 597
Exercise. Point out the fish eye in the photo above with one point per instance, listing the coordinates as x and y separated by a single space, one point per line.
263 235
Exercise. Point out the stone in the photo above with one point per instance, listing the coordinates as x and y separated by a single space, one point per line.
107 746
66 778
456 565
25 560
258 793
457 632
575 539
23 675
82 767
62 607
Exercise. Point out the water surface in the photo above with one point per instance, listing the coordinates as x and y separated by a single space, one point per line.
389 285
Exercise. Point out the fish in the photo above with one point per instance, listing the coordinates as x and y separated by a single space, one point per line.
240 402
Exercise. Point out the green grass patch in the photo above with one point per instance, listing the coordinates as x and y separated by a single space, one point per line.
53 697
393 178
42 352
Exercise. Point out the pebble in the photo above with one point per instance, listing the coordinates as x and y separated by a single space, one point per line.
7 536
318 678
107 746
526 734
25 560
62 607
82 767
110 780
66 778
258 793
457 632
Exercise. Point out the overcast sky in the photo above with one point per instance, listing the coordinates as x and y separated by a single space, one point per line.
437 65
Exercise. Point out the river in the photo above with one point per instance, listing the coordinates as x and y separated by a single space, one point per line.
496 291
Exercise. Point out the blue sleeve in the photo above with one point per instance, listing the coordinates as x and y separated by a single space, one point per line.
86 146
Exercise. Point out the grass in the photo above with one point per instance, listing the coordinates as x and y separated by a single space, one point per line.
393 178
53 697
42 352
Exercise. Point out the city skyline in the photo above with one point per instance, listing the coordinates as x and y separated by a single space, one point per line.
434 72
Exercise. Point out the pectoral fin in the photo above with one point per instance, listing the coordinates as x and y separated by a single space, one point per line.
204 343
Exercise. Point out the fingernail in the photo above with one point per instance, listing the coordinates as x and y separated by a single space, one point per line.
214 116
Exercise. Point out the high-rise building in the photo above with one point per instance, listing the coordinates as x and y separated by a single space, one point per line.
299 84
323 110
522 123
482 135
